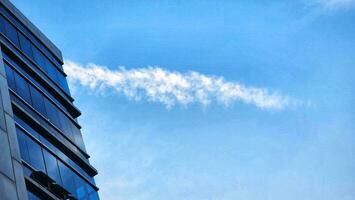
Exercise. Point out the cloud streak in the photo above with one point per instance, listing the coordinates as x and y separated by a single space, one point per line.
171 88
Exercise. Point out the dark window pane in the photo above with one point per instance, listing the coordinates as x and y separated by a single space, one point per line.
39 58
10 77
51 71
66 128
23 145
22 88
36 156
2 24
11 33
27 127
52 113
63 82
52 167
38 101
78 137
25 45
67 177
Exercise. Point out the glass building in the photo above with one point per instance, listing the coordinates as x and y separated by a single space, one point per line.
42 153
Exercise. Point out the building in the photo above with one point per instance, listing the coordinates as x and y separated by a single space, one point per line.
42 154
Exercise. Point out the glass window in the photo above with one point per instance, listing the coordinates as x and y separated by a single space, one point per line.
80 188
52 167
27 127
94 196
27 171
31 196
38 101
39 58
66 128
52 71
78 137
67 178
22 88
11 33
63 82
10 77
25 45
23 145
36 156
52 113
2 24
92 193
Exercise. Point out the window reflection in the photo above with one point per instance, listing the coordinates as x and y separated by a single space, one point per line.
43 160
43 105
34 53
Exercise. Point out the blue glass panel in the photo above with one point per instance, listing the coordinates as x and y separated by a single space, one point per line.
81 192
67 178
63 83
39 58
38 101
78 137
52 167
11 33
52 71
10 77
25 45
2 24
31 196
36 156
52 113
22 88
27 171
66 125
23 145
27 127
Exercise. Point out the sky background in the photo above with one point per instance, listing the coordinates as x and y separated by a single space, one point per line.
145 151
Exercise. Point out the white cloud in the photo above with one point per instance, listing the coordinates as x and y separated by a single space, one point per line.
171 88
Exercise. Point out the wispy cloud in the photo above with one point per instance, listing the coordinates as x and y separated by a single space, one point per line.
172 88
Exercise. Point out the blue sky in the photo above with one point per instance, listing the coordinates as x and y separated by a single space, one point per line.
144 150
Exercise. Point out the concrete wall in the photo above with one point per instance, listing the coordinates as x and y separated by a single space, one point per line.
12 182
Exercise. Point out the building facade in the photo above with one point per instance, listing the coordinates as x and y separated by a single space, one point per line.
42 154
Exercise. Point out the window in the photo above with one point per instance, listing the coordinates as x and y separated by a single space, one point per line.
52 167
11 33
27 128
36 157
31 196
80 188
39 58
22 88
63 82
66 127
23 145
2 24
10 77
52 113
78 137
38 101
92 193
67 177
25 45
52 71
